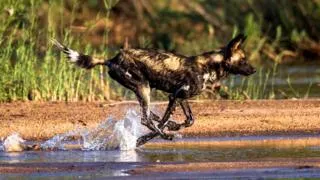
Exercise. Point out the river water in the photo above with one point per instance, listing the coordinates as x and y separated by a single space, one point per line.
109 151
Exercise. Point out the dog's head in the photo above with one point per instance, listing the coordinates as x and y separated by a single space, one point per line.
234 57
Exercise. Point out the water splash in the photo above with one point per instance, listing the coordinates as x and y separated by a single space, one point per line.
60 141
13 143
109 135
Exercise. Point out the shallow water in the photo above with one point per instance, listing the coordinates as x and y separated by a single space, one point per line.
109 151
174 153
117 162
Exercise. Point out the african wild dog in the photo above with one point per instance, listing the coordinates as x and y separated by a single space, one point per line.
182 77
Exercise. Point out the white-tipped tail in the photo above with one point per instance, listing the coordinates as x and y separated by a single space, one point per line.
71 54
81 60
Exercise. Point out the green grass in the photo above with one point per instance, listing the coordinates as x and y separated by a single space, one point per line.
251 88
31 69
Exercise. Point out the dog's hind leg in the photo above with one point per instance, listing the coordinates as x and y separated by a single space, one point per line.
144 100
143 96
171 107
137 83
173 126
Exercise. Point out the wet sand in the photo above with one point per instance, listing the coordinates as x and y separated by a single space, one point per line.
262 142
43 120
162 170
305 163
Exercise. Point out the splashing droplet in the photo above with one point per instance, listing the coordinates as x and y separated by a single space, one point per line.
14 143
108 135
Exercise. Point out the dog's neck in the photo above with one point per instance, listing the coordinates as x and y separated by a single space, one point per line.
212 63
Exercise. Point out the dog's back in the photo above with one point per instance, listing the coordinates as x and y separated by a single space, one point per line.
162 70
157 61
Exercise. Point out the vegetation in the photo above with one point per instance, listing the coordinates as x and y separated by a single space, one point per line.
31 69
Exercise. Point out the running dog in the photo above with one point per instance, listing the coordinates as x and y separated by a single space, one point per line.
181 76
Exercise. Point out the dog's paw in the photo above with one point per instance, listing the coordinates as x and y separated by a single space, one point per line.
173 126
167 136
140 141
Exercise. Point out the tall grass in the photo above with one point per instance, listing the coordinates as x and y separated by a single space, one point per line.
31 69
253 87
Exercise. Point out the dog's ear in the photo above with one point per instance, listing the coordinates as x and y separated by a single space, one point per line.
234 44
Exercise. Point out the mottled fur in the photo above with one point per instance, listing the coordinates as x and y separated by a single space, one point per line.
181 76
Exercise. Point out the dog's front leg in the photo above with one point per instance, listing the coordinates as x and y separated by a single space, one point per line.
169 111
154 117
173 126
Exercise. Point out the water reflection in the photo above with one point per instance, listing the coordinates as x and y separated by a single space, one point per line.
205 149
70 156
226 154
117 163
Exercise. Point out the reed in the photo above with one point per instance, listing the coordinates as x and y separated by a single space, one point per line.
31 69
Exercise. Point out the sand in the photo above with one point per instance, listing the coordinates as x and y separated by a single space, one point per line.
42 120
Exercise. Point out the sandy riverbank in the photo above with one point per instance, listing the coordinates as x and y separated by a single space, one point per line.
42 120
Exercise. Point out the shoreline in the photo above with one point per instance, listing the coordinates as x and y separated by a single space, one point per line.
43 120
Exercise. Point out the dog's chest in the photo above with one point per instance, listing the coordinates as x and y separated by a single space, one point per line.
208 77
